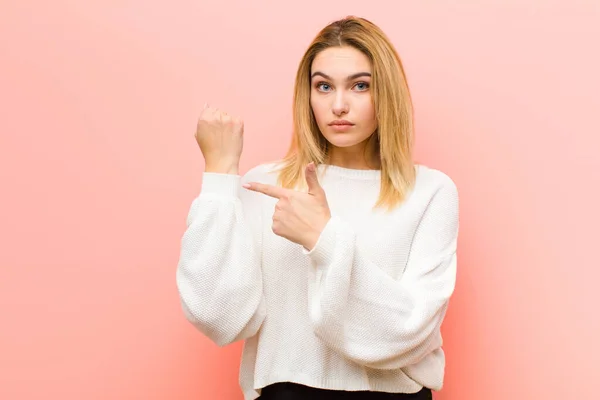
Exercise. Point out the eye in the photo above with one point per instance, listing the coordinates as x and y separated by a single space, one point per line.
361 86
323 87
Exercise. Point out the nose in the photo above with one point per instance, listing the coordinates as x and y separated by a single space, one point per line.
340 104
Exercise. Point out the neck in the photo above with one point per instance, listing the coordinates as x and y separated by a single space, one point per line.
361 156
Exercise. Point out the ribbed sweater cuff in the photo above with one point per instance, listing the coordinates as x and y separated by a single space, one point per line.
322 254
221 184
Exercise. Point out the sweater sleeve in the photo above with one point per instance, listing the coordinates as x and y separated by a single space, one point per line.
371 318
219 275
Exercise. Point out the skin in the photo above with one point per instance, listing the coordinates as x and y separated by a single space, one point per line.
299 216
220 138
340 90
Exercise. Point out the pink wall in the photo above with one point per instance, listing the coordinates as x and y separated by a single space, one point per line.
98 166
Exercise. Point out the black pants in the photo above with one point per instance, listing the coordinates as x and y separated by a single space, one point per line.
294 391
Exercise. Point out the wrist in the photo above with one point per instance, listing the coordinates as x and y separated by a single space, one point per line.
313 237
232 169
311 241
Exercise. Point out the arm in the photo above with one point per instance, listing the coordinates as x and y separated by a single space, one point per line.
219 273
371 318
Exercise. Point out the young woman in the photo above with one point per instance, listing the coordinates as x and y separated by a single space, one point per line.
336 264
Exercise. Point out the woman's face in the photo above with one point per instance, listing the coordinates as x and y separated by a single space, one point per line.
340 96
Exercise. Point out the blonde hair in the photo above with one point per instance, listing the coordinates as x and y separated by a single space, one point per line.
393 110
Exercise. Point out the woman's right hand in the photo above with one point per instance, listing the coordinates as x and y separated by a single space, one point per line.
220 137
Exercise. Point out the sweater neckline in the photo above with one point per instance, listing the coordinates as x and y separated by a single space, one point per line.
343 172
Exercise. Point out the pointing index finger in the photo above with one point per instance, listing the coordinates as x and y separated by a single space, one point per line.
269 190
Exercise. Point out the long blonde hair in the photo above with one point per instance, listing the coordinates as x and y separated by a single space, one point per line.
393 109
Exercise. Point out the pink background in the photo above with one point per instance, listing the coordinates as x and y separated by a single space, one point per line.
98 166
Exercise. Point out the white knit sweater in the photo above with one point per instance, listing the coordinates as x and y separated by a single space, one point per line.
361 311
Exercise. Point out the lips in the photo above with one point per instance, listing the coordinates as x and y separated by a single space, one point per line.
341 122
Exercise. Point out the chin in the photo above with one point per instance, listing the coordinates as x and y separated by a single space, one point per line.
344 139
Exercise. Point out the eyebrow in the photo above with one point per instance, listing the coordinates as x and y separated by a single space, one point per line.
349 78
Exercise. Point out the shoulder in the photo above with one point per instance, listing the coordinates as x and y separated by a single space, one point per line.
434 178
435 186
263 173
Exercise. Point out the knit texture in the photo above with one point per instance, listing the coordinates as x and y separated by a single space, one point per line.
361 311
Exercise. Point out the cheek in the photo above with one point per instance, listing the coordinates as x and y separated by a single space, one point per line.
318 109
367 113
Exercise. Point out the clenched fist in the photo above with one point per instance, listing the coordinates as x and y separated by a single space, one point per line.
220 137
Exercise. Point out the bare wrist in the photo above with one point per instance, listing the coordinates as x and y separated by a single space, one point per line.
222 169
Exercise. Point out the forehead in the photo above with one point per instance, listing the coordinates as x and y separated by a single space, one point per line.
341 61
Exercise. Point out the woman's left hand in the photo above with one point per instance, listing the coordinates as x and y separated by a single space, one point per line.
299 217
